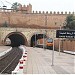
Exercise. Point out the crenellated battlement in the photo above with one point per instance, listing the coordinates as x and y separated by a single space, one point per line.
53 13
28 9
21 8
25 17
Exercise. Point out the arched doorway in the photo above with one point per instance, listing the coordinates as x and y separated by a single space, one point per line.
34 38
16 38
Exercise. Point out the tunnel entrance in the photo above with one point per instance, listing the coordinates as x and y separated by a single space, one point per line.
35 38
16 39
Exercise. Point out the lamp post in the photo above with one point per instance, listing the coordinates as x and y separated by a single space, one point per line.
46 38
53 51
53 47
43 42
45 33
59 42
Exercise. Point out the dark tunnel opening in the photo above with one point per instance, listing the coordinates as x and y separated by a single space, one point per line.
16 40
38 36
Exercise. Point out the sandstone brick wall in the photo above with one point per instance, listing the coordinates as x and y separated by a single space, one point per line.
24 8
33 19
65 45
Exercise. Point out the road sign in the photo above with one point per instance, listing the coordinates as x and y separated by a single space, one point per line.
65 34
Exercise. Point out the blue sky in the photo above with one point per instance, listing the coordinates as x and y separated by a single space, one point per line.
45 5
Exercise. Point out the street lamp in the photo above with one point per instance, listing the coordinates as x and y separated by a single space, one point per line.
43 41
53 47
53 51
45 33
46 38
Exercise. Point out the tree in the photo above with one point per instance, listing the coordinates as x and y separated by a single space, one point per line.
15 6
70 22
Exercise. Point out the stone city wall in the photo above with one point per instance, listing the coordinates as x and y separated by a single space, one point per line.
65 44
33 20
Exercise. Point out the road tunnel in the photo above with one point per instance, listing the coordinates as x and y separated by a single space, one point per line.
16 39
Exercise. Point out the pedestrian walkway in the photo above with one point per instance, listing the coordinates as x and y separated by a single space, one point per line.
4 48
39 61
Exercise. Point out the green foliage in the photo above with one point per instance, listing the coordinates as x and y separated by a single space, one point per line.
5 24
15 6
70 22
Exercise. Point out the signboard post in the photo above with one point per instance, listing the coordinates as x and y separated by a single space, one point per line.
65 34
59 42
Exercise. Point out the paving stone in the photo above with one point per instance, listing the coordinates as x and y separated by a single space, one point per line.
40 62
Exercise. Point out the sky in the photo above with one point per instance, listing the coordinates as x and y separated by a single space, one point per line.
44 5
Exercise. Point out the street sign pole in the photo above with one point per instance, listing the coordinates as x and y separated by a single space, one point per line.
59 42
65 34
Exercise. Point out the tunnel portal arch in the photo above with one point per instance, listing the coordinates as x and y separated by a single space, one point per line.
17 39
38 36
